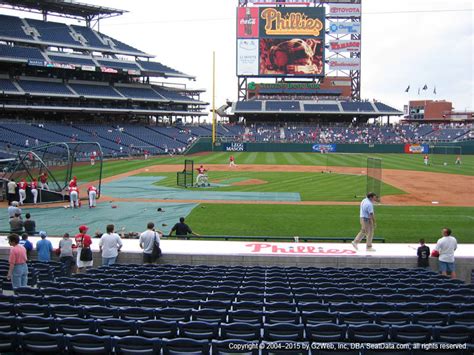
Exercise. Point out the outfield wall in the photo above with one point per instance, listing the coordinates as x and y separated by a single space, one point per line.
205 145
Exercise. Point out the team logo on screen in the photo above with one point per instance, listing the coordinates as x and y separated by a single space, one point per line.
294 23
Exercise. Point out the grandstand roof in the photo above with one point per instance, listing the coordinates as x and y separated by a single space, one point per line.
65 8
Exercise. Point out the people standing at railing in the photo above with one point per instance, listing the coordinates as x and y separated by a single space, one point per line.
29 224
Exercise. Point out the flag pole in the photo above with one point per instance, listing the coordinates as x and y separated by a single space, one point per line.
213 99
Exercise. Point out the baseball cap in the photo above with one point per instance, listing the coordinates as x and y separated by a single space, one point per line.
83 228
43 234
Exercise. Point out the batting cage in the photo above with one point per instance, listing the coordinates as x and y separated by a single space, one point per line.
54 165
445 155
374 176
185 178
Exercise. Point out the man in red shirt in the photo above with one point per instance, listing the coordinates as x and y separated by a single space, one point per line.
22 185
92 193
34 190
83 240
232 162
201 179
73 182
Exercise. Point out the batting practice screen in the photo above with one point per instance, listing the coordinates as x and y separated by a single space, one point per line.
185 178
374 176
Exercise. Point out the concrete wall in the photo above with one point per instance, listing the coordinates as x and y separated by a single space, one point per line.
464 266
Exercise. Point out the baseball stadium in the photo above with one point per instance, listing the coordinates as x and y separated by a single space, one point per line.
315 221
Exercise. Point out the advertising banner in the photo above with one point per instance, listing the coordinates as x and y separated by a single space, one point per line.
88 67
133 72
234 147
344 64
344 46
36 63
297 56
341 28
344 10
416 148
247 22
60 65
292 22
324 148
108 70
247 57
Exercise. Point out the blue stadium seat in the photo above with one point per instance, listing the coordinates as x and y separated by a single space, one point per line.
454 334
131 345
246 316
61 311
346 307
430 318
367 333
410 333
136 313
185 346
76 325
8 324
198 330
326 333
235 346
42 342
462 318
89 344
99 312
116 327
89 301
393 318
9 342
282 317
157 329
36 324
283 331
355 318
209 315
318 317
25 310
173 314
243 331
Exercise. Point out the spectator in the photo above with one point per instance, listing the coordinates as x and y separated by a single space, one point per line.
182 229
147 240
44 248
16 224
18 270
29 224
27 244
423 253
11 187
83 241
65 256
110 245
14 209
445 247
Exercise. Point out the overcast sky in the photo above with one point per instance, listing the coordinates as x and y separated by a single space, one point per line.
404 42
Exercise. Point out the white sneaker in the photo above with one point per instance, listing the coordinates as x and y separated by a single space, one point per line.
370 249
354 244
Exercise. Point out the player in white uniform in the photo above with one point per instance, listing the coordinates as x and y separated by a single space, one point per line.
74 196
92 192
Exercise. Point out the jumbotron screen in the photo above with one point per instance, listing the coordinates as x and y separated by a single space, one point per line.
280 41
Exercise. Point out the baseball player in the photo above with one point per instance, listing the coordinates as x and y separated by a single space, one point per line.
73 182
93 157
43 178
34 190
458 160
201 175
74 196
426 159
22 185
92 193
232 162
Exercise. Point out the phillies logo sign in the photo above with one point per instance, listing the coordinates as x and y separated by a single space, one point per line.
285 249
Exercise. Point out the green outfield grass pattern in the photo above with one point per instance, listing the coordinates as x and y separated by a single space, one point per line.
390 161
310 186
395 224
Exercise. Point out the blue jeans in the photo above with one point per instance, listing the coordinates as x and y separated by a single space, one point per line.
20 275
108 261
446 267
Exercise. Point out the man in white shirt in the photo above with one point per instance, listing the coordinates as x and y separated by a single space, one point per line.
367 222
446 246
147 239
110 245
11 187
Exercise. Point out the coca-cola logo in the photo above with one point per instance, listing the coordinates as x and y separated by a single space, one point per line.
248 21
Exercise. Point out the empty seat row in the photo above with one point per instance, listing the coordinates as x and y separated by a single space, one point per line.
246 311
370 333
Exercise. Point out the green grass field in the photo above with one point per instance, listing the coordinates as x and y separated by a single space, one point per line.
395 224
390 161
310 186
